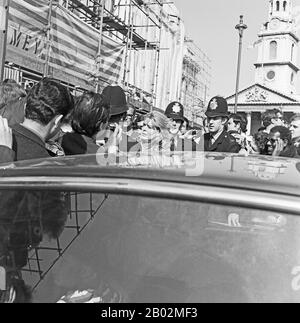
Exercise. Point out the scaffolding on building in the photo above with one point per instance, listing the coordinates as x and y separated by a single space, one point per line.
116 19
136 24
196 80
146 38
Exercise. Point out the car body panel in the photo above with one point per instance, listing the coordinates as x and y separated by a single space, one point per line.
226 230
260 173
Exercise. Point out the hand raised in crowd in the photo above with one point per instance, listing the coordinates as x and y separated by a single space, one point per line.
239 139
189 134
115 140
5 133
279 147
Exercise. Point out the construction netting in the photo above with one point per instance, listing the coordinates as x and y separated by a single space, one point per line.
40 33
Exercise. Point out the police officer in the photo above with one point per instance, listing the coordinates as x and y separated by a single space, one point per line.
118 139
217 139
175 113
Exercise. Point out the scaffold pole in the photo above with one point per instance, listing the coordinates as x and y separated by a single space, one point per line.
48 48
128 45
4 12
155 87
98 60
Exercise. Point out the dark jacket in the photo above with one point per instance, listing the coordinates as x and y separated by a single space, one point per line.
27 145
6 154
290 152
224 144
76 144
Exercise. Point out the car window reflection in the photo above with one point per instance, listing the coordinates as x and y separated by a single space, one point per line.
25 218
85 247
116 249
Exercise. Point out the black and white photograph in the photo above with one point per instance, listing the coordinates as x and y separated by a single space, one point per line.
149 154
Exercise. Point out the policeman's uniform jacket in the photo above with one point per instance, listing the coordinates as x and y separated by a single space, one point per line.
225 143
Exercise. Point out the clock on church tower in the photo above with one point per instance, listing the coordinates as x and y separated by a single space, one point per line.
276 65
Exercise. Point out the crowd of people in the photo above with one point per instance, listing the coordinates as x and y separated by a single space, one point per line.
48 121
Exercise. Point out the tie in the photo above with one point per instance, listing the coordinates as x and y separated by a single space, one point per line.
211 141
172 145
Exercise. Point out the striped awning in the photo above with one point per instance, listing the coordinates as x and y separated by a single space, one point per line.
73 45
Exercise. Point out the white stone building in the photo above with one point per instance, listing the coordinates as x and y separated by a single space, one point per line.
276 69
196 79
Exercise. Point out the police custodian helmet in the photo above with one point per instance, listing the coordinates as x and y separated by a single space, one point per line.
175 111
217 107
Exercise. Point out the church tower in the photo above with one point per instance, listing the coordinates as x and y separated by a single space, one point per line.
277 67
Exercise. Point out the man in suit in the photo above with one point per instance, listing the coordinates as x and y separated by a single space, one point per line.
217 139
47 103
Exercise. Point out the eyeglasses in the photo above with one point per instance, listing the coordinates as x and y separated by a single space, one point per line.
273 141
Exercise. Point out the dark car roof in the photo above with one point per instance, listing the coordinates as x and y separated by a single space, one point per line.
260 173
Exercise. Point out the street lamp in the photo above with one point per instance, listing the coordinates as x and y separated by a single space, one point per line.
240 27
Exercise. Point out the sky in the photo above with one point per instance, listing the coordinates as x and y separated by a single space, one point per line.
211 24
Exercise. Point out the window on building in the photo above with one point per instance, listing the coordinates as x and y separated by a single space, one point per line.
284 5
277 5
273 50
292 52
292 78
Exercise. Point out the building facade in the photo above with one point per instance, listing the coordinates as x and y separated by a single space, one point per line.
277 65
139 45
196 79
276 69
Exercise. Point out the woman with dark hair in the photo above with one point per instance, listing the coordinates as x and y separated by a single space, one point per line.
90 115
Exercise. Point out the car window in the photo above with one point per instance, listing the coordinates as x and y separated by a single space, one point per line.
92 247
